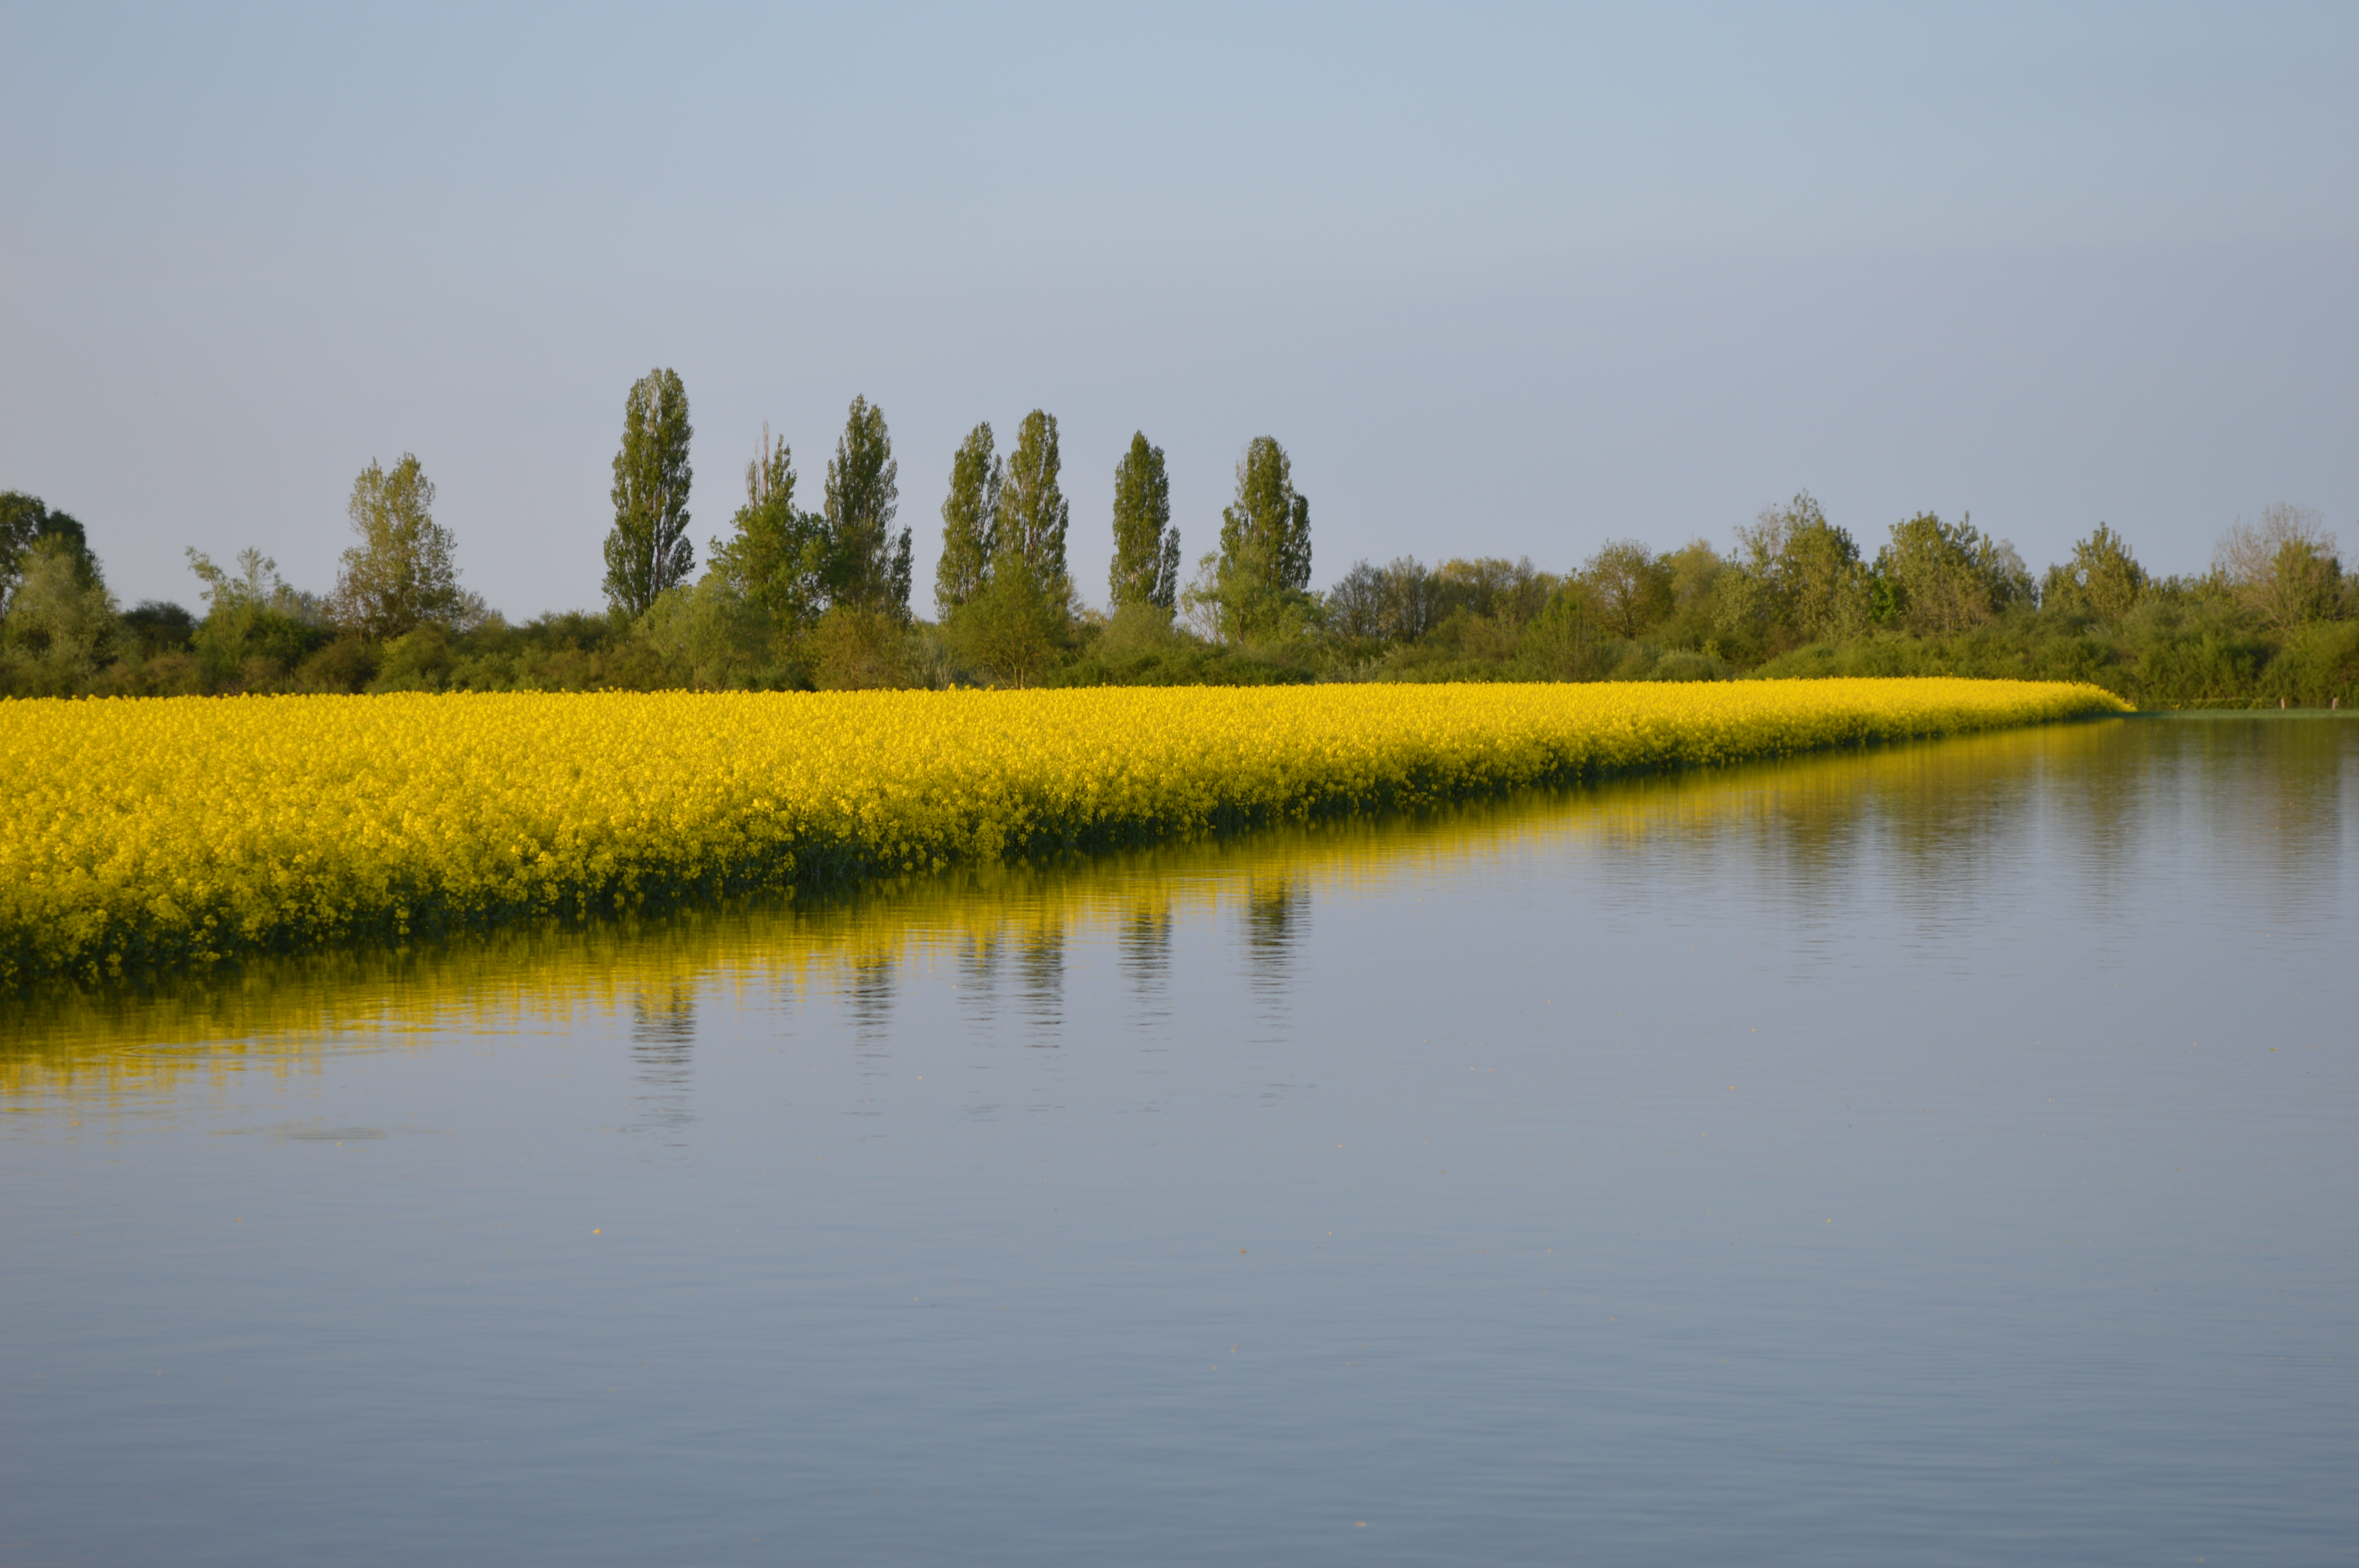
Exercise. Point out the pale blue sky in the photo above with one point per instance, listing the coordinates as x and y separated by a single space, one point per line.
1503 279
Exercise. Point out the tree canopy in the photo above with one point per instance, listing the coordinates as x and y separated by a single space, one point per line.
648 549
969 522
1146 545
1262 578
866 566
1941 577
2284 567
400 574
1033 512
2102 579
775 556
1806 577
26 521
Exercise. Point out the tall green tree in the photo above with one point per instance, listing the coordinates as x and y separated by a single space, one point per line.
648 549
400 574
1263 575
1145 544
773 558
970 523
1033 512
1015 621
866 566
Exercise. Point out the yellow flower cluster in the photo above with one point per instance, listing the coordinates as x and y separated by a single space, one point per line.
138 833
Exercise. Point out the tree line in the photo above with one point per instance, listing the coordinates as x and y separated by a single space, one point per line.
795 597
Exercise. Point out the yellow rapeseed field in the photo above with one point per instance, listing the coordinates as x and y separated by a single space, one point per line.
135 833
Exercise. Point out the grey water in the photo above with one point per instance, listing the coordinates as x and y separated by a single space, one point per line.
1938 1154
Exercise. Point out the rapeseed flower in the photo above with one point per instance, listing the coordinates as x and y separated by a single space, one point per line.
135 833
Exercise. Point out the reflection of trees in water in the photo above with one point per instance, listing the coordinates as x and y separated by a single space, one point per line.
1811 838
1933 826
2274 789
2269 789
1278 917
2094 795
1033 959
1952 822
978 976
868 995
1040 981
1143 951
663 1037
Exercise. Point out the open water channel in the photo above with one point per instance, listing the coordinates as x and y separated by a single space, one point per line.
1939 1154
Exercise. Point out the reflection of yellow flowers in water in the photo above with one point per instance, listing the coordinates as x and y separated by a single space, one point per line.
286 1014
133 833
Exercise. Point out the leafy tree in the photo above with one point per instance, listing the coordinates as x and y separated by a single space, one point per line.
865 567
708 634
1629 585
1804 575
62 621
773 560
1017 624
254 623
159 626
1033 511
648 549
1412 599
1145 544
1356 605
1492 588
1396 603
2285 568
2104 578
400 574
26 520
970 523
1262 578
21 516
1696 574
1941 577
853 649
1562 639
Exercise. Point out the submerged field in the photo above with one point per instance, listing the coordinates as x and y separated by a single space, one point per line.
141 833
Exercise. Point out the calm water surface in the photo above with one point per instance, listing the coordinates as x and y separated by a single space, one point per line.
1940 1155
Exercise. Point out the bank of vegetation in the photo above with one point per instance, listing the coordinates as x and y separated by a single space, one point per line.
793 596
324 818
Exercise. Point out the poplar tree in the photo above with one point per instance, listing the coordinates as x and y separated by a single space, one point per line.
1263 573
1146 545
648 549
1015 621
867 566
970 523
1032 510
